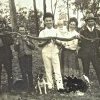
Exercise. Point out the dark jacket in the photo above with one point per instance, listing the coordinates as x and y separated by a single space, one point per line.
23 47
89 47
5 49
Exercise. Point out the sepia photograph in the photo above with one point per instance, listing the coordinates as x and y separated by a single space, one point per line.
49 49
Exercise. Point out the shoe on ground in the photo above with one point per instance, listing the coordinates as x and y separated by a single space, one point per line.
79 93
61 90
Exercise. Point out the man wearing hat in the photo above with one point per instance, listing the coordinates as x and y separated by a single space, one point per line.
98 20
89 46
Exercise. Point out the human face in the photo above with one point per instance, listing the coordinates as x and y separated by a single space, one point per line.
48 22
72 25
60 25
22 30
90 22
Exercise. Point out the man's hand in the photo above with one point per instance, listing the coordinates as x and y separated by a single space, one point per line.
24 37
78 36
43 43
57 42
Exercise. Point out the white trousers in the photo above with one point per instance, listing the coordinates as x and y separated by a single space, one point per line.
52 63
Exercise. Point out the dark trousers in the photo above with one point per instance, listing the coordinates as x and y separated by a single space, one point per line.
25 63
95 62
7 63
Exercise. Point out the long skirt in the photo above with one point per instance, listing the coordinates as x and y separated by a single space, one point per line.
70 63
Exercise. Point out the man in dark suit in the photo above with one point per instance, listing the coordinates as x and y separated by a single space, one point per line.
89 46
5 53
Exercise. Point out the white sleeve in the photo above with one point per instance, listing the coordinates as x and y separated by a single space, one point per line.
41 34
58 34
72 45
73 35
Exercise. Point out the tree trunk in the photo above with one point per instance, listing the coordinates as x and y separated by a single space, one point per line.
77 13
68 9
52 8
44 6
13 15
68 12
55 7
36 18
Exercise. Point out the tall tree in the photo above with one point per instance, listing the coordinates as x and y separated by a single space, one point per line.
94 7
82 5
53 9
44 6
13 15
55 6
68 9
87 6
36 17
67 5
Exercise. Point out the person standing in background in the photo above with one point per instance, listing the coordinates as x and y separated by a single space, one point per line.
6 56
24 47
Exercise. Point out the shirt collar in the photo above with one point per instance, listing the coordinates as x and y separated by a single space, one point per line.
90 29
72 31
49 29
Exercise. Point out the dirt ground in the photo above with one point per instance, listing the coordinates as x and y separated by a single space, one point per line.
92 94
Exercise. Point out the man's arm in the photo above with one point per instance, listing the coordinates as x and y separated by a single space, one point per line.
45 40
43 43
7 39
30 44
16 44
58 43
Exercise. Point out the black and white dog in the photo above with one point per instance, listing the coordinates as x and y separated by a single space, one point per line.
41 84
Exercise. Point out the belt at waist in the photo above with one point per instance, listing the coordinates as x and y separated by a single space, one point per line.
65 49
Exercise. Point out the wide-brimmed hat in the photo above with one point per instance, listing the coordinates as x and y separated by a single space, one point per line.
90 16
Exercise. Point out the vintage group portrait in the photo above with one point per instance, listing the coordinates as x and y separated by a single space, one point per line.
50 50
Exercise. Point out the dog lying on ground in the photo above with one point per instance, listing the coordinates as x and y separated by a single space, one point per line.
41 84
73 84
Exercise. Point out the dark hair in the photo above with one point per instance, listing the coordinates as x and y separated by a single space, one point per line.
73 19
48 14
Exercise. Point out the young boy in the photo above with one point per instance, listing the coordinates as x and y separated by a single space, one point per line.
50 53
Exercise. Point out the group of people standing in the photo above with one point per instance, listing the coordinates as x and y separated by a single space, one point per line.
71 45
23 46
85 45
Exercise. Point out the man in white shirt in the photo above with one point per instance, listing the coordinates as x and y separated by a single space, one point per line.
50 53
